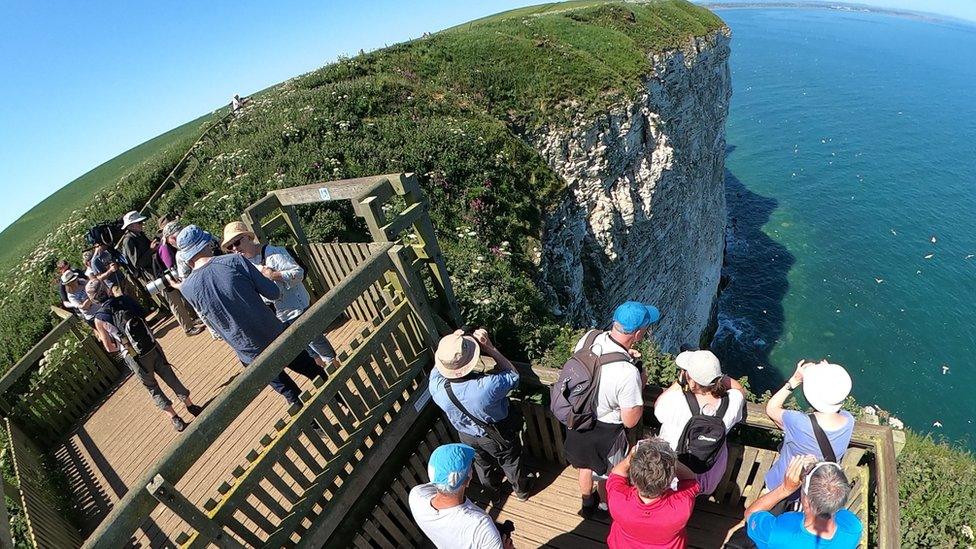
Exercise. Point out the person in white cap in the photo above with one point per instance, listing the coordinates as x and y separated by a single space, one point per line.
825 433
701 379
477 406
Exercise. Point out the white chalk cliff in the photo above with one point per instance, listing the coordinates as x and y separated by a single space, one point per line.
644 213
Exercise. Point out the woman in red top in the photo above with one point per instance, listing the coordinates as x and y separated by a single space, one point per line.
647 513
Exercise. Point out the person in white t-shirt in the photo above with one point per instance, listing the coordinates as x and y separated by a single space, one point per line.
701 376
441 509
620 404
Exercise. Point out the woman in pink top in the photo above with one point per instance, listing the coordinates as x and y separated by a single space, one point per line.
647 513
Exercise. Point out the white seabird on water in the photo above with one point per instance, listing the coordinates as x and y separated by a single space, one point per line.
879 280
945 369
929 256
933 239
893 232
937 424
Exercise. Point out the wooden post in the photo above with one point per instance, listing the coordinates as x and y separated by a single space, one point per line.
168 495
6 540
413 290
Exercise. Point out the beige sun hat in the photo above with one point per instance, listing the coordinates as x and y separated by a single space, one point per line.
234 229
826 386
702 366
457 354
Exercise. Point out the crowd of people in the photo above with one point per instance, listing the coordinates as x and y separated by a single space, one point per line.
647 491
246 293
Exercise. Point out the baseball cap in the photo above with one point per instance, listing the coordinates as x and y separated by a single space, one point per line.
632 316
702 366
456 355
132 217
171 228
449 466
190 241
826 386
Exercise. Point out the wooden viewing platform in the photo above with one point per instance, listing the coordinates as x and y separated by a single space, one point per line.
334 472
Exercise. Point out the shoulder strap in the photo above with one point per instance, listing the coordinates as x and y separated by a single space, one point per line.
722 408
692 403
489 429
825 448
264 254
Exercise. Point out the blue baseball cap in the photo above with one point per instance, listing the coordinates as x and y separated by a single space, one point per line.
190 241
450 466
632 316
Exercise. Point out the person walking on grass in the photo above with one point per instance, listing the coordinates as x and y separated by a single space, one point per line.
228 292
823 523
121 327
647 512
825 433
477 406
442 511
275 263
619 403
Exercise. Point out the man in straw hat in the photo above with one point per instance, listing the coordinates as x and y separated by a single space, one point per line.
477 406
275 263
227 291
825 433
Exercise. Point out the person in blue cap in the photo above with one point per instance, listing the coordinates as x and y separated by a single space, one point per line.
441 509
620 403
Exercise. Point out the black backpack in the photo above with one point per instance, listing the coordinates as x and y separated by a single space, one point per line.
574 395
703 436
106 232
134 328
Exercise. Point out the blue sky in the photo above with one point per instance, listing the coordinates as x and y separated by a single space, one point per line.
84 82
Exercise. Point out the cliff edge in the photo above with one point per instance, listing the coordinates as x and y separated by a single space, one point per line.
644 213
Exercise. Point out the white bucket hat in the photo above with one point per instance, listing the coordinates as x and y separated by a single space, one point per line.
826 386
132 217
702 366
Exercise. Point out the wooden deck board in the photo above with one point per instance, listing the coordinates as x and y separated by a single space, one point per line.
549 518
118 442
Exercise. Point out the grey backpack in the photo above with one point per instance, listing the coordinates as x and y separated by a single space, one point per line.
574 395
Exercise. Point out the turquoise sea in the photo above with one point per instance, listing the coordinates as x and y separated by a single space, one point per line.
851 183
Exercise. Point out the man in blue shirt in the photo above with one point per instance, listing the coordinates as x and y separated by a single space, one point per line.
226 291
477 406
824 522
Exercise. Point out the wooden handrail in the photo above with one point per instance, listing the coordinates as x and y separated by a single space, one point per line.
132 510
30 359
876 439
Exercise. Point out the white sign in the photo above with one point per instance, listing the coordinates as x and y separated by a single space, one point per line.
324 194
422 400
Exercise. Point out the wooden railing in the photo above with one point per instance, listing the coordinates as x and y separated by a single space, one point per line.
47 525
363 397
80 379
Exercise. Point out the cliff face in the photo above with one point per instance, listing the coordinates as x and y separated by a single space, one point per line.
644 214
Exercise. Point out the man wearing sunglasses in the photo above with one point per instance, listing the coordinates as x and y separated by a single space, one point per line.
824 521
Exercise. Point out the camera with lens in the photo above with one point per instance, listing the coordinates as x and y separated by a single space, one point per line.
164 282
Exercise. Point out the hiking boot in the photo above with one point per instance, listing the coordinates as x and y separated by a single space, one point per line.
179 424
588 507
526 491
195 330
194 409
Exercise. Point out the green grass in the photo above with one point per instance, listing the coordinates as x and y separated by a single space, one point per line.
23 234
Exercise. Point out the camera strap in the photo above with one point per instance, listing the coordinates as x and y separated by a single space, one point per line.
490 430
825 448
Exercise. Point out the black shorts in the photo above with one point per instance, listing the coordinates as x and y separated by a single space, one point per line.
594 449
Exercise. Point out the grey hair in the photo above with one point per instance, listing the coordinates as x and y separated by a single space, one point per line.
442 489
618 328
828 491
652 467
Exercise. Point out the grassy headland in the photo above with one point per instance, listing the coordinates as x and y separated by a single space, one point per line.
452 108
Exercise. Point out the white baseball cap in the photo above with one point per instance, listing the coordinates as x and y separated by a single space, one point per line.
702 366
826 386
